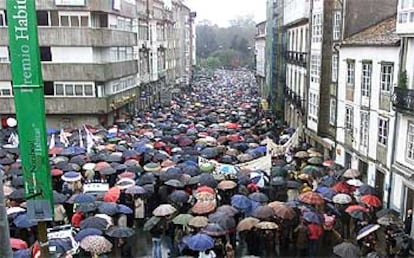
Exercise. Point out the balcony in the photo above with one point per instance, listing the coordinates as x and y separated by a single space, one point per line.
295 99
297 58
79 37
403 100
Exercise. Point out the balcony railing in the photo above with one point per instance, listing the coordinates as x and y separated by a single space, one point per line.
297 58
295 99
403 99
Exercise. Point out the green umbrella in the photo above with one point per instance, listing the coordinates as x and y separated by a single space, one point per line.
182 219
313 171
151 223
115 139
315 160
279 171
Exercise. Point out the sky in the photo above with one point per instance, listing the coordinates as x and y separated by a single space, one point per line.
221 11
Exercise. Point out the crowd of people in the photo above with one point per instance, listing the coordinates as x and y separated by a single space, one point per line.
189 175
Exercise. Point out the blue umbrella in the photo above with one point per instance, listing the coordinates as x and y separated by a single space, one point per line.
240 202
258 197
261 149
328 180
22 221
87 232
329 194
321 189
25 253
312 217
52 131
87 207
73 151
200 242
94 222
254 205
179 196
61 244
208 180
84 198
124 209
366 189
228 169
108 208
191 170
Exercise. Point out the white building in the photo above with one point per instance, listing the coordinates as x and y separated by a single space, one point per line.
368 70
403 101
296 25
260 51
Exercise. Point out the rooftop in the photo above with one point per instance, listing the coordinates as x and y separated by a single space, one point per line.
380 34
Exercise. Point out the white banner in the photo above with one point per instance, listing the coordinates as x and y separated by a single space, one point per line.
70 2
275 150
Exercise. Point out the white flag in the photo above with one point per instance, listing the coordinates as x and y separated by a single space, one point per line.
52 142
63 139
81 139
90 139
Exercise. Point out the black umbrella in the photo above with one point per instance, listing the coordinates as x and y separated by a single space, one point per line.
208 180
174 183
347 250
179 196
107 171
385 212
59 197
223 219
94 222
15 172
120 232
214 229
87 207
17 194
17 181
258 197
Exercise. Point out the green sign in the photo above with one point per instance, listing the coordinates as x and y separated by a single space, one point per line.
30 106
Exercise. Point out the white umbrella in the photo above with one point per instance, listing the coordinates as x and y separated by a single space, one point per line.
342 198
355 182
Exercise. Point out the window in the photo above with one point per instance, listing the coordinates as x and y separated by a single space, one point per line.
410 142
143 32
120 54
73 20
386 77
364 129
42 18
337 25
313 106
123 84
349 117
3 21
382 131
366 78
332 112
5 89
48 88
317 28
315 68
45 54
70 89
350 73
335 67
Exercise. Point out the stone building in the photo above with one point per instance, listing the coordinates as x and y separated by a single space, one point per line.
101 59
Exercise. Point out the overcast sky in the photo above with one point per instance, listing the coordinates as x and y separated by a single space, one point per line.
220 11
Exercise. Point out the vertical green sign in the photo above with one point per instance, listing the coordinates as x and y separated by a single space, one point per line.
30 106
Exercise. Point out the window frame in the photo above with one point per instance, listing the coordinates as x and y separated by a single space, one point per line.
349 117
364 129
336 27
65 86
409 150
366 78
3 20
386 74
317 27
383 131
332 111
335 62
350 73
315 68
4 88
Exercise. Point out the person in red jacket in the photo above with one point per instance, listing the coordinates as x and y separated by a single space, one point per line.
77 218
315 233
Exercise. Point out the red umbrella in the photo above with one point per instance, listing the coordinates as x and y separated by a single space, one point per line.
101 165
235 138
56 172
55 150
371 200
311 198
232 125
112 195
341 187
206 189
328 163
18 244
159 145
353 208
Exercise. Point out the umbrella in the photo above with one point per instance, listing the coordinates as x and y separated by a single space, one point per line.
17 194
125 183
56 172
198 222
61 245
313 171
366 189
214 229
283 211
267 225
174 183
291 184
301 154
120 232
226 185
328 180
329 194
22 221
135 190
96 244
206 189
258 197
94 222
240 202
87 207
58 197
385 212
182 219
228 210
247 224
354 182
123 209
342 187
112 195
84 198
164 210
203 207
347 250
101 165
315 161
263 212
87 232
71 176
365 231
107 171
311 198
223 219
279 171
14 210
312 217
25 253
108 208
207 180
352 208
351 173
179 196
342 198
200 242
371 200
328 163
18 244
151 223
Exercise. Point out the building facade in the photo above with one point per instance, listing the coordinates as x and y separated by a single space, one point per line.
101 60
403 98
368 69
260 61
296 30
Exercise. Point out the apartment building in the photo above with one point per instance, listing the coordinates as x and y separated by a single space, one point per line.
403 102
296 29
368 69
100 59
